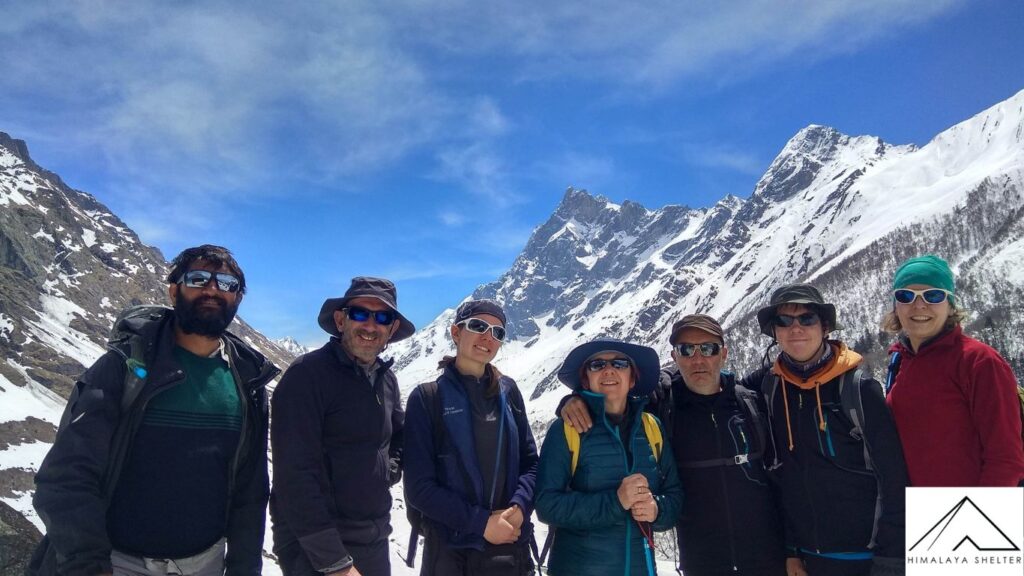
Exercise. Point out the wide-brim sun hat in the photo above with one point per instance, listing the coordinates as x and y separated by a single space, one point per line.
366 287
796 294
645 360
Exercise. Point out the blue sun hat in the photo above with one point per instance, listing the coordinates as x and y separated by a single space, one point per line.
645 360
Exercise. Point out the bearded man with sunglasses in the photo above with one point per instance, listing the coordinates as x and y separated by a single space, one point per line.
160 462
837 458
337 440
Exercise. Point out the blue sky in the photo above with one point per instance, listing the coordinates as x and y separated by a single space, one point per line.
423 141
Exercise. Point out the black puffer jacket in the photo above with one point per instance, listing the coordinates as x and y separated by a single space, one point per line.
95 439
730 521
337 441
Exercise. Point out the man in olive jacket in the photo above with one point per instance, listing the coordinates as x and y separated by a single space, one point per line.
337 440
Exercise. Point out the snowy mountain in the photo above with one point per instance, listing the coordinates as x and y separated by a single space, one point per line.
836 210
68 266
292 346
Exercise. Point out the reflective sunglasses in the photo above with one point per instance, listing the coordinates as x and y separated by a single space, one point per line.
478 326
200 278
360 314
930 296
805 319
706 349
617 363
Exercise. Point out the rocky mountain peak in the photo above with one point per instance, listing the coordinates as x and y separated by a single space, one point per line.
17 148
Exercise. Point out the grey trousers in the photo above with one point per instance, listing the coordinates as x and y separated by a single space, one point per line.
209 562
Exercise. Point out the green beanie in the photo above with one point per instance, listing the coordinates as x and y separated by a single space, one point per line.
929 270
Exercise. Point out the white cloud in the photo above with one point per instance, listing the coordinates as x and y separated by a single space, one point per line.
207 100
451 218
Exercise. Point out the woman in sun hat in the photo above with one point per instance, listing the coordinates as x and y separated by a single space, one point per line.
605 500
954 398
474 484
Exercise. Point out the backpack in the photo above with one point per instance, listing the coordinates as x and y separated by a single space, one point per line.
850 401
572 438
44 560
748 402
415 517
894 368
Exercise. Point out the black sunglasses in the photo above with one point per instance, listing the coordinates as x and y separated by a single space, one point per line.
618 363
478 326
706 349
805 319
200 278
360 314
930 296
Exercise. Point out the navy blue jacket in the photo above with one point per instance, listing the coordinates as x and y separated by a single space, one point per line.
445 482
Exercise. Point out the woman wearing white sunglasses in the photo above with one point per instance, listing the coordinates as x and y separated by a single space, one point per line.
954 398
470 457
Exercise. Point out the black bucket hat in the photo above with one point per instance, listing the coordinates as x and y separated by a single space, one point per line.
366 287
645 359
796 294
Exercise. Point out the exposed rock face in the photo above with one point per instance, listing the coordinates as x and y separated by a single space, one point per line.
18 538
68 266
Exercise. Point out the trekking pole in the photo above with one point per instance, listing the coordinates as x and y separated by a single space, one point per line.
648 534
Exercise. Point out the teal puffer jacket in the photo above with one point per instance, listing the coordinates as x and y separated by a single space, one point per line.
594 535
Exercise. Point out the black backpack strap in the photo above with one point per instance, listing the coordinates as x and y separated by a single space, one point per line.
852 403
432 402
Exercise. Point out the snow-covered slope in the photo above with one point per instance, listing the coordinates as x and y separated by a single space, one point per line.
837 210
68 266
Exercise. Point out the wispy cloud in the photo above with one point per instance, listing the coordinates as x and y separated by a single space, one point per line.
205 101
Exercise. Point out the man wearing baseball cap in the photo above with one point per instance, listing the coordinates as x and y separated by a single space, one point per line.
729 521
336 435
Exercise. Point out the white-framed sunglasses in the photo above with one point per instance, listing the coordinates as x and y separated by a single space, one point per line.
478 326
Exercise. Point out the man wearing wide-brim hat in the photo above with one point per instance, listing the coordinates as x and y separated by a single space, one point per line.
837 453
336 435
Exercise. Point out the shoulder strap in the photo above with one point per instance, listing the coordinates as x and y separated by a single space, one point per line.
893 370
748 400
572 439
653 432
852 404
769 383
432 402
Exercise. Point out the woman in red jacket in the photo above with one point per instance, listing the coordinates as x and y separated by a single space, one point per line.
954 398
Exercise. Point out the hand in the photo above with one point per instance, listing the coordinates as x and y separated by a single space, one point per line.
633 489
795 567
499 530
514 516
575 413
350 571
645 511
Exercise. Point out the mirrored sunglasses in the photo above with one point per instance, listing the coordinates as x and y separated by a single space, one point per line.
805 319
706 349
360 314
478 326
600 364
200 278
930 296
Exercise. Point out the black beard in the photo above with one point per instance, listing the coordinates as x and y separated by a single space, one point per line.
203 321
